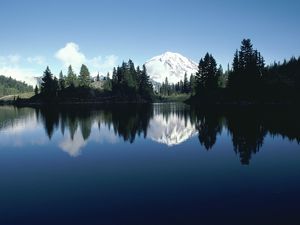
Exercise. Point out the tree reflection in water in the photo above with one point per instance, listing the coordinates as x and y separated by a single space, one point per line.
170 124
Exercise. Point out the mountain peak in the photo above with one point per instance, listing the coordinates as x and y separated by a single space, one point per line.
171 65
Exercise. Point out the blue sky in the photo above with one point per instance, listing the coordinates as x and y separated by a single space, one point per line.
103 33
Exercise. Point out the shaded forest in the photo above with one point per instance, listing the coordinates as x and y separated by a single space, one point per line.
10 86
248 81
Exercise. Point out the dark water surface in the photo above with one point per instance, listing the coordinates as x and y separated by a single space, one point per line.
158 164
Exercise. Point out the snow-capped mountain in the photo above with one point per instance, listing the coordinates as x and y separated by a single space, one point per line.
171 130
170 65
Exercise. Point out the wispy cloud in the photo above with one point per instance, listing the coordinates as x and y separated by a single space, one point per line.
10 60
40 60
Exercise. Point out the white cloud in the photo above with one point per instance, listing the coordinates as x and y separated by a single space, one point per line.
40 60
14 59
71 55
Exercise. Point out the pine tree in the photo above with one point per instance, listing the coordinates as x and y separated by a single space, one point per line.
192 85
36 90
185 84
61 81
245 79
167 88
145 86
207 76
84 76
47 84
71 80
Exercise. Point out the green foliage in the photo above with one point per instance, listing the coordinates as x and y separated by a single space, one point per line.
192 85
71 80
62 81
84 76
10 86
186 85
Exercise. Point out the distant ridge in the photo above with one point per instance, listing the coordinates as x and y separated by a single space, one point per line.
10 86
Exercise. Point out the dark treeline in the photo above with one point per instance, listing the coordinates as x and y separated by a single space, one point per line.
10 86
249 80
248 127
185 86
128 83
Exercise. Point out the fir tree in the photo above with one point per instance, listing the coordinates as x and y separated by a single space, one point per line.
36 90
71 80
207 76
245 79
61 81
185 84
84 76
47 86
145 86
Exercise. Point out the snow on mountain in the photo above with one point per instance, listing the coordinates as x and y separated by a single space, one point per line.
171 130
170 65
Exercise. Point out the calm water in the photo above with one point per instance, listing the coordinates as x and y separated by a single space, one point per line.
159 164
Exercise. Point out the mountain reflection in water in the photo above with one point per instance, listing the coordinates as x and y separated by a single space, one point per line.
168 124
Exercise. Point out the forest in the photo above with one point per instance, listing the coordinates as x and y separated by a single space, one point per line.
247 81
10 86
128 84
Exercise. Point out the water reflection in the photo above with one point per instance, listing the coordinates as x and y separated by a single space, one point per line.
169 124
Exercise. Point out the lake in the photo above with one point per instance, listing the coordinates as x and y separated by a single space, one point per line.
149 164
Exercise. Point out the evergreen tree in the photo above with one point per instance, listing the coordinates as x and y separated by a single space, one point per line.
207 76
221 77
98 77
84 76
55 86
185 84
61 81
192 85
49 86
145 86
71 80
245 79
36 90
